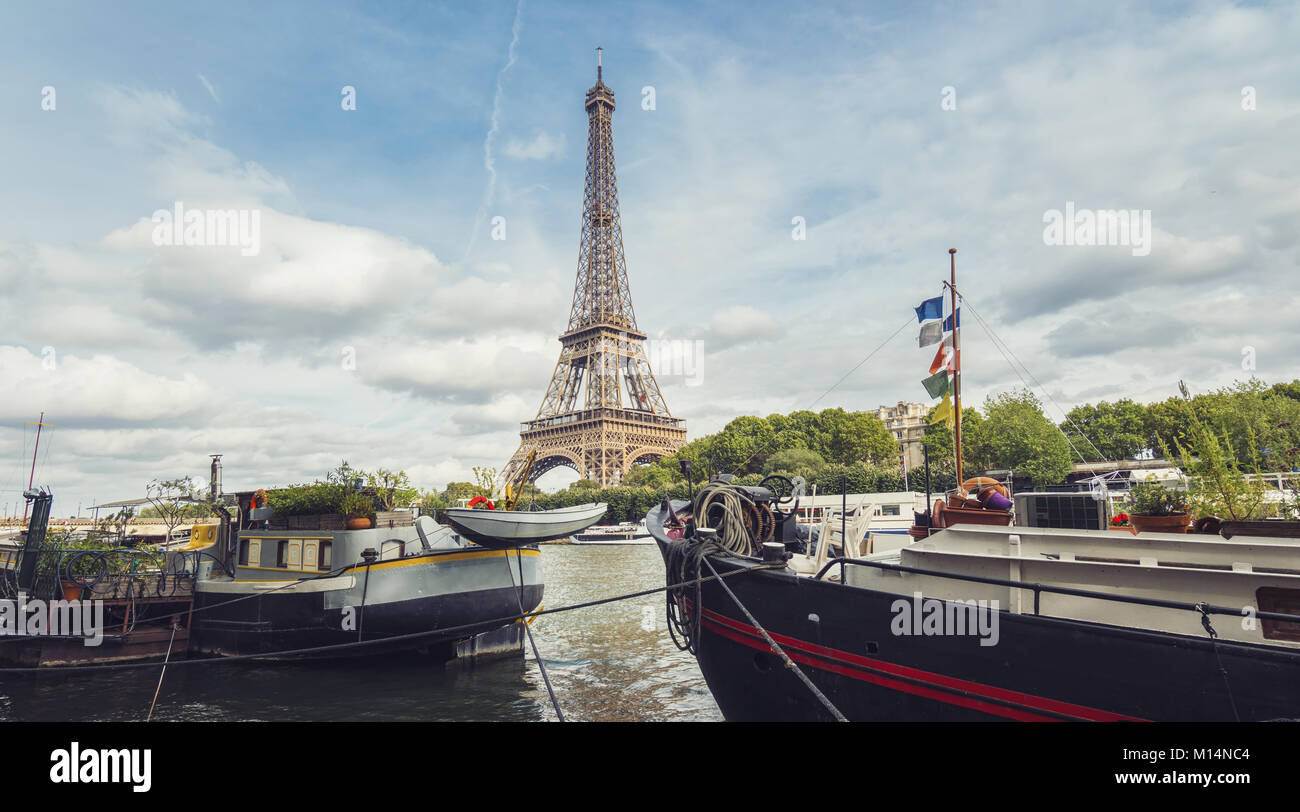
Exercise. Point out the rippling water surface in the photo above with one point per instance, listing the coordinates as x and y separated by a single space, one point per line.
613 662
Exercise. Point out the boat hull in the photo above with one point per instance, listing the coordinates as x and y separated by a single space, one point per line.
511 528
424 603
1040 669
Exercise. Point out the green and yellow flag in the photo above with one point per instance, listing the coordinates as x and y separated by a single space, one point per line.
938 384
942 412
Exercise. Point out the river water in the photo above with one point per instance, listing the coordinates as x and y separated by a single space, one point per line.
613 662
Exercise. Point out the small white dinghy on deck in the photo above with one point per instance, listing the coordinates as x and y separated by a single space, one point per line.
512 528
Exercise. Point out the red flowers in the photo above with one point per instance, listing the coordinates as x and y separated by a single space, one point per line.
1119 519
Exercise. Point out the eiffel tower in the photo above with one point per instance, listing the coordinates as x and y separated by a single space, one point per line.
621 418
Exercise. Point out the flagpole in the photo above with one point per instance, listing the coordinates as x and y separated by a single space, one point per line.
956 373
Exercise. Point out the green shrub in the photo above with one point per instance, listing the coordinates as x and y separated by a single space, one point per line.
307 500
1154 499
357 505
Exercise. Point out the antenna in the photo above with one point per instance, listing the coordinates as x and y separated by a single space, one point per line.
598 54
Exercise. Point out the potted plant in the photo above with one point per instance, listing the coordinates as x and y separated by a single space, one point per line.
1120 521
1229 493
1158 509
358 507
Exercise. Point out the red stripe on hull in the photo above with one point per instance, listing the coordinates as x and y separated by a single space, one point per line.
851 665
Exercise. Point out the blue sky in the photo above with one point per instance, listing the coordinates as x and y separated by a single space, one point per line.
375 221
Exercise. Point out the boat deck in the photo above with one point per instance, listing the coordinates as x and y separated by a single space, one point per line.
1257 575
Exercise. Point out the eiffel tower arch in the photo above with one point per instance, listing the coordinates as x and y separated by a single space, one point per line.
603 411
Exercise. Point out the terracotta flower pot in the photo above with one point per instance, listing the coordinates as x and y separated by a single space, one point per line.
1177 523
71 590
361 523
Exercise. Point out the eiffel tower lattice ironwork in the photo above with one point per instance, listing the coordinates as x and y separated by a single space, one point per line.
603 411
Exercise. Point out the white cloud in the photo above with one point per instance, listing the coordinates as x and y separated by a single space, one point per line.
471 370
541 146
741 323
312 281
502 413
100 389
208 87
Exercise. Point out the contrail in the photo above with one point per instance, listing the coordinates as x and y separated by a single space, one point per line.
489 163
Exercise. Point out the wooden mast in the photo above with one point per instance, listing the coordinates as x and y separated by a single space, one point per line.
956 358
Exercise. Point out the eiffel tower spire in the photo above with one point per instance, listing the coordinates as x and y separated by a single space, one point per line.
603 410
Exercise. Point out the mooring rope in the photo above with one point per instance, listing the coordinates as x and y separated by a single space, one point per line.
163 673
789 663
541 666
1214 646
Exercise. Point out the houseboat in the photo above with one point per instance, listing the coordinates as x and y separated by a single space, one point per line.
980 618
416 585
995 623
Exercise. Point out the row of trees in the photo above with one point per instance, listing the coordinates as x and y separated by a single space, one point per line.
802 442
1258 425
1255 420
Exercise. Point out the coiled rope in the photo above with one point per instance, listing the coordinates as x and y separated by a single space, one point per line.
742 523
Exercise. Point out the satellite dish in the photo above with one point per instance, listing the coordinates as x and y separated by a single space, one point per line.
424 526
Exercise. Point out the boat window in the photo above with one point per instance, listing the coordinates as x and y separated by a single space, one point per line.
323 562
1284 602
891 510
390 549
249 552
289 554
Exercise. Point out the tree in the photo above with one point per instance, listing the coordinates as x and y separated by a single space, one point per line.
856 436
345 475
457 491
391 489
485 480
1221 486
114 525
793 462
429 501
651 476
742 446
1108 431
858 477
171 498
938 443
1016 434
1288 390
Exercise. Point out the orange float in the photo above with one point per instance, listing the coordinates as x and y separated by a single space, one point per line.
979 483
